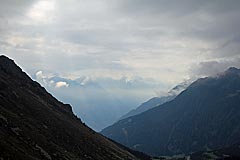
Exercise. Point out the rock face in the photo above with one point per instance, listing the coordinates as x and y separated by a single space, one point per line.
203 117
35 125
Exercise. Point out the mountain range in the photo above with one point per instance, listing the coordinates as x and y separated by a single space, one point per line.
151 103
98 101
205 116
202 122
156 101
34 125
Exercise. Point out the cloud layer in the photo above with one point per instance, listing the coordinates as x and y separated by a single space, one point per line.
100 101
166 40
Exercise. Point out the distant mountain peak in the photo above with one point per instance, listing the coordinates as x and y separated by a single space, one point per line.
232 70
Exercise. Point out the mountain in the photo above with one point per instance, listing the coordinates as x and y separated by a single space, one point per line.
35 125
180 87
91 102
227 153
156 101
205 116
151 103
101 101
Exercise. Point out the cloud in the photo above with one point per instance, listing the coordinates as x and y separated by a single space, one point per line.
41 78
39 75
127 48
100 101
61 84
159 39
209 68
85 80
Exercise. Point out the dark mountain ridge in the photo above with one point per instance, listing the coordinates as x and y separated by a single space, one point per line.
156 101
35 125
151 103
205 116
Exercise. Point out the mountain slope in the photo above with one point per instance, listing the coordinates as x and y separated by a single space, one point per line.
90 101
35 125
99 101
226 153
156 101
204 116
151 103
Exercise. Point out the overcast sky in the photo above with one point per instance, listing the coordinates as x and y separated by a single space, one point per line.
164 40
